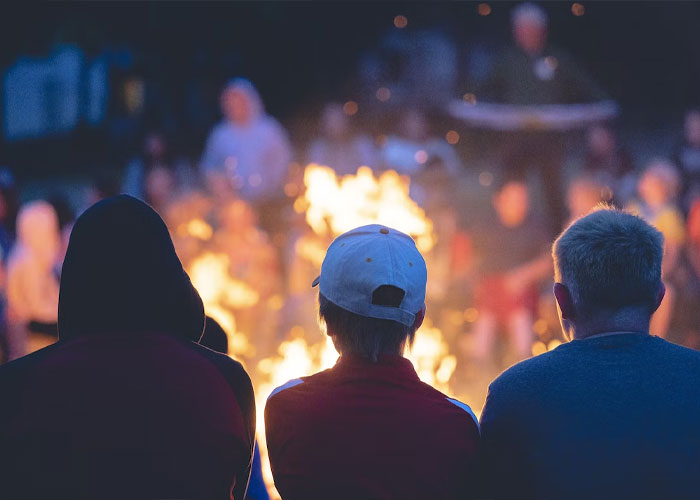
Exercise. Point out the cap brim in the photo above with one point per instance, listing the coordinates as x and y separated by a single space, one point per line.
315 282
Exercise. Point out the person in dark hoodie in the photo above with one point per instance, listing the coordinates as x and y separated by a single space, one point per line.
126 404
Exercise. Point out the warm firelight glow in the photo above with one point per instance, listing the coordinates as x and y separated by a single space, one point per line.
484 9
331 206
452 137
400 21
350 108
431 357
221 293
295 358
334 205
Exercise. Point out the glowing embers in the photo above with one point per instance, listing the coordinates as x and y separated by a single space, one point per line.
334 205
577 9
484 9
400 21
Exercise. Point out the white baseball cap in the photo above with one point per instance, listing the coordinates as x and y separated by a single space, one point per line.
360 261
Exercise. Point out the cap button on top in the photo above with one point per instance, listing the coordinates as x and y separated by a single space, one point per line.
384 230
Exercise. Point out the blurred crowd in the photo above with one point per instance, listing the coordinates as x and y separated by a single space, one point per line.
494 217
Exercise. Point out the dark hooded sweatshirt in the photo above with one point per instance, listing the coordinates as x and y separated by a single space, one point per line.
126 404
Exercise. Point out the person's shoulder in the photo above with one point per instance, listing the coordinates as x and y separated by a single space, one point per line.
437 399
465 408
270 124
302 385
679 352
13 371
232 370
217 358
522 374
287 386
219 129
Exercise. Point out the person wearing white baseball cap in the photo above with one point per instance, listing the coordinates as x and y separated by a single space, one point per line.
368 427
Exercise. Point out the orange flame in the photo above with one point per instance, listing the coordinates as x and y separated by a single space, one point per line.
334 205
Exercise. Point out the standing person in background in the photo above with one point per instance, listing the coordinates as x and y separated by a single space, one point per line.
32 283
251 149
658 190
337 146
511 261
126 404
368 427
687 158
613 413
534 73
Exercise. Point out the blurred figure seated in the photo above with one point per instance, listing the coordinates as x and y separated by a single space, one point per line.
254 261
216 339
126 404
336 145
614 412
32 282
658 189
408 152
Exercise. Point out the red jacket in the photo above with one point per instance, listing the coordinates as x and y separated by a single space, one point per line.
365 430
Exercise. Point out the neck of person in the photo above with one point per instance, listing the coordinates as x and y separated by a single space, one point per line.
611 322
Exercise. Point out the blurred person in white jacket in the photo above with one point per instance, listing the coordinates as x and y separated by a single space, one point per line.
248 145
32 283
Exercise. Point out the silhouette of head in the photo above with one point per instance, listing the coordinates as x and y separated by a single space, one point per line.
121 275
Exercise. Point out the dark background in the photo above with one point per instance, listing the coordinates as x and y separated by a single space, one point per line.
645 54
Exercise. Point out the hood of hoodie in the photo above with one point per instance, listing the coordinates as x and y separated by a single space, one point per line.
121 275
247 89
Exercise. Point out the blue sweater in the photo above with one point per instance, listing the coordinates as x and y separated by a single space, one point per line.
614 416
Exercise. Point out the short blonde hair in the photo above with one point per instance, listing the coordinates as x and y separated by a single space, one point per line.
609 259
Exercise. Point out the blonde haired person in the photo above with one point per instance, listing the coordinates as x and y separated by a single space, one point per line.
32 284
658 190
